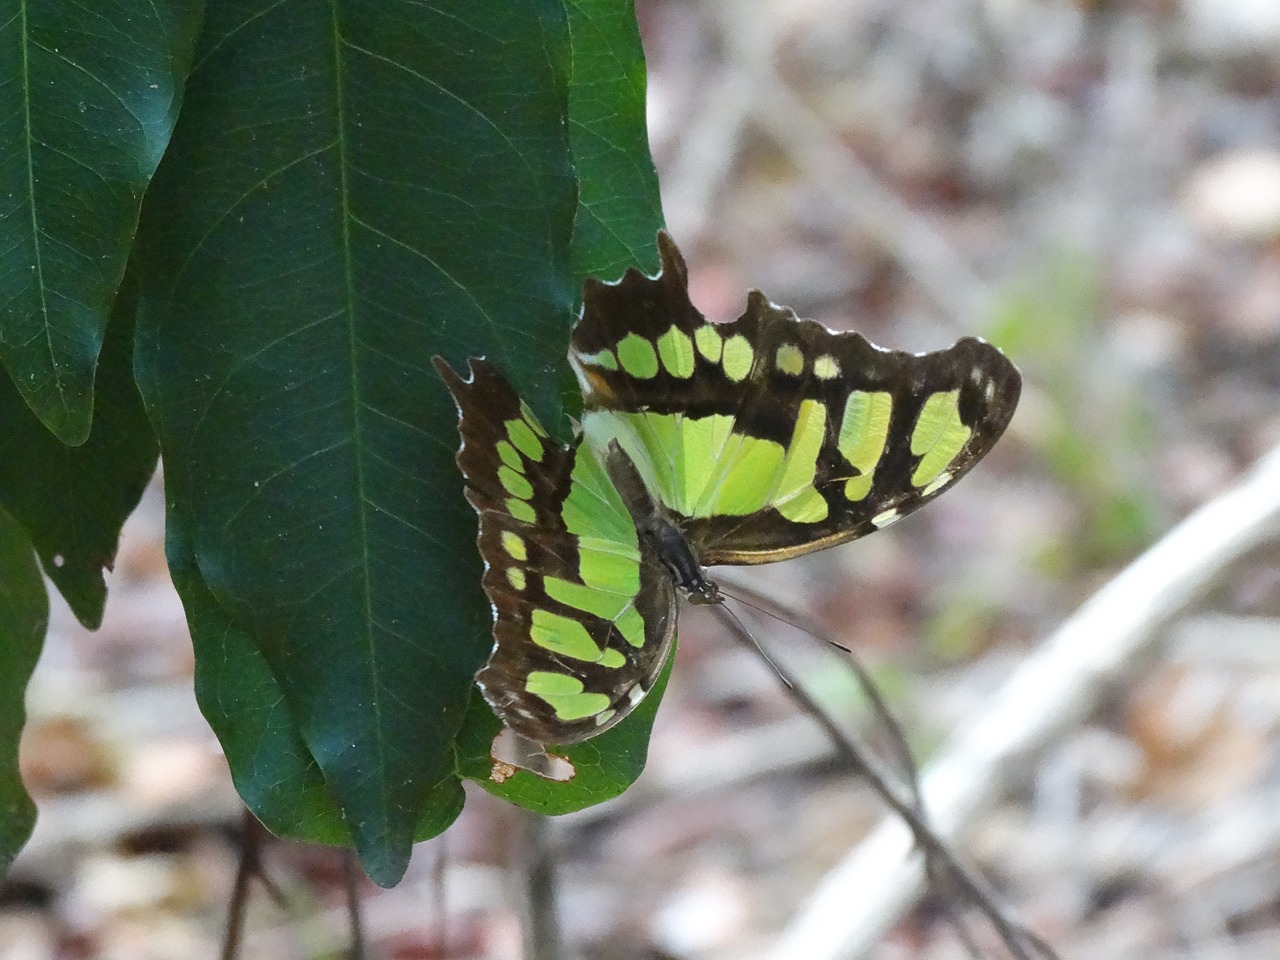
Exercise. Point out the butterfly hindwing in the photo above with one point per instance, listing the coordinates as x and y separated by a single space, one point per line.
584 615
772 436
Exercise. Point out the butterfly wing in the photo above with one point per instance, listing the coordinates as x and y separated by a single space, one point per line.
584 617
773 436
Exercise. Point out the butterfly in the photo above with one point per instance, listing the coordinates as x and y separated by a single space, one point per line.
700 444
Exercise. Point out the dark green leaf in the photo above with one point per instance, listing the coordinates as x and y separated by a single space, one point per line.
74 500
347 194
275 774
88 97
619 208
618 217
24 614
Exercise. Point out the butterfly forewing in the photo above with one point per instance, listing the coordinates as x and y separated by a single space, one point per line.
771 436
584 614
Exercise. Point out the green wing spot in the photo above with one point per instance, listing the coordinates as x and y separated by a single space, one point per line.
738 358
613 659
863 431
702 444
514 483
789 359
516 577
507 454
748 475
557 684
606 605
687 463
521 510
593 506
808 506
938 437
709 342
525 439
797 499
605 565
531 420
605 360
565 695
638 357
826 367
659 438
562 635
676 351
801 463
856 488
515 545
631 626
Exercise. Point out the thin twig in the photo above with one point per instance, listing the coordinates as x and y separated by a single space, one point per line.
541 891
441 893
240 889
1051 692
253 836
865 764
350 883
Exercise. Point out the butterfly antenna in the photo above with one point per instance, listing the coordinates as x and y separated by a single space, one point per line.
744 632
900 749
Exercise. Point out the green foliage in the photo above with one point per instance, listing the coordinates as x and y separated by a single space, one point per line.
73 500
345 192
24 614
89 96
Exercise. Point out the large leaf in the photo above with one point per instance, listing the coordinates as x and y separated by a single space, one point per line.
273 771
88 97
617 218
349 191
347 194
24 614
74 500
619 208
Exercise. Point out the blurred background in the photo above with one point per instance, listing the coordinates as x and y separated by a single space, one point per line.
1092 185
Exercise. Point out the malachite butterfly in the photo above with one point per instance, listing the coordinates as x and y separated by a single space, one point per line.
700 444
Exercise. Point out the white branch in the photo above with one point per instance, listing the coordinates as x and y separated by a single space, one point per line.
1054 690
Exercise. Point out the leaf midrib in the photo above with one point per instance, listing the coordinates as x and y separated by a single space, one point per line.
348 266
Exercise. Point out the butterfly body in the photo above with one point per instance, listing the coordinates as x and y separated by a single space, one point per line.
700 444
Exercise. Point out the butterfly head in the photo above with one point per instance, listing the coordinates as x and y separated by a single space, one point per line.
704 592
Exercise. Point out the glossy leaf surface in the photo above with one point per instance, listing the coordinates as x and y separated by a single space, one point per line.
89 94
346 195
